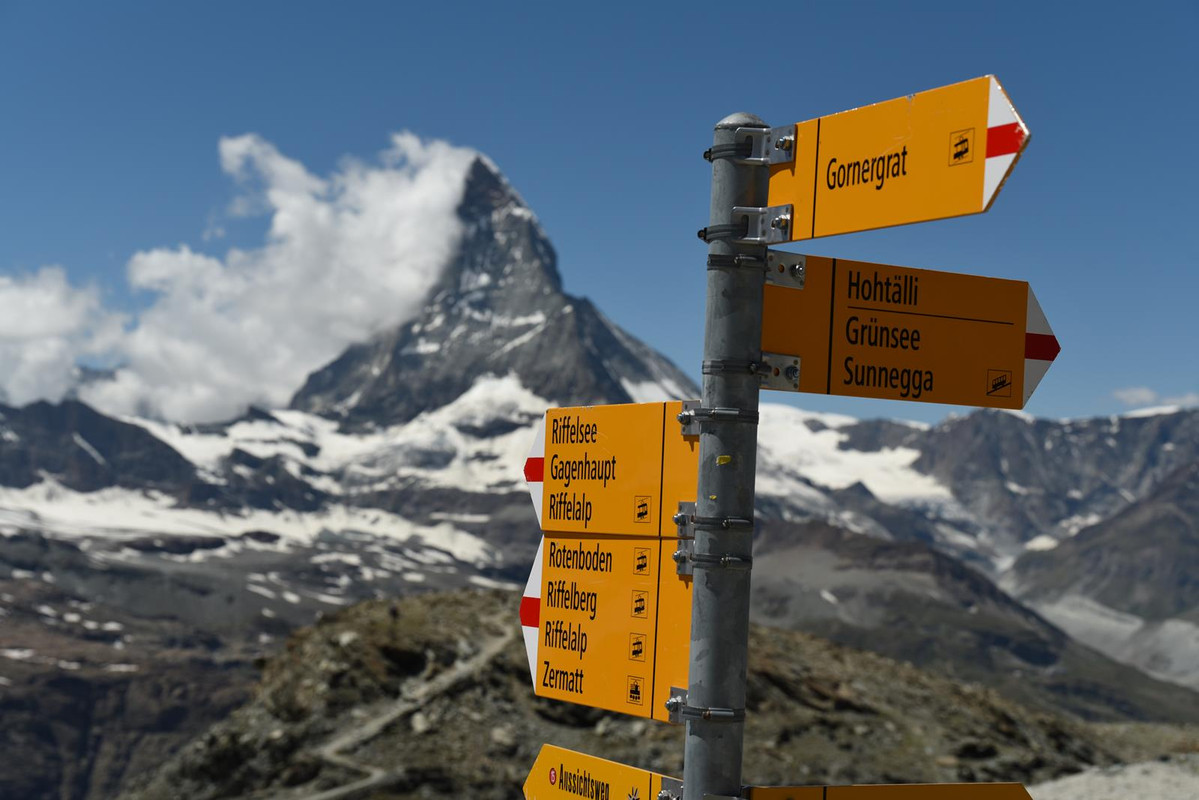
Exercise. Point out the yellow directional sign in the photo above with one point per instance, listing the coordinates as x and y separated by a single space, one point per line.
619 469
914 791
607 622
896 333
936 154
561 774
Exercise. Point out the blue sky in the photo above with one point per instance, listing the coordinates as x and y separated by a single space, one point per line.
598 114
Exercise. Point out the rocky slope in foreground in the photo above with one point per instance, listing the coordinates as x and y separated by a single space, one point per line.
430 696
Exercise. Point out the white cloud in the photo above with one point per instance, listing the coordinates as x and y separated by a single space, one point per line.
1188 399
344 257
1138 396
46 325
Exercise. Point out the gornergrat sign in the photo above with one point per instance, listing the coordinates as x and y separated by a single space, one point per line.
941 153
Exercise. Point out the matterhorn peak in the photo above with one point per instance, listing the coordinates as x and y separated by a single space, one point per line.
498 309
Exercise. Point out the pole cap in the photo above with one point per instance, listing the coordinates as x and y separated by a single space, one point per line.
741 119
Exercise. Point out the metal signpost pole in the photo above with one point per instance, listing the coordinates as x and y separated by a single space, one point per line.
715 706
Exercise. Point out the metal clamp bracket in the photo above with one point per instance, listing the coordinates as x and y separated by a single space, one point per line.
785 269
683 563
733 232
721 261
688 522
721 523
672 789
685 557
694 415
686 541
766 225
680 711
781 372
724 561
734 366
757 146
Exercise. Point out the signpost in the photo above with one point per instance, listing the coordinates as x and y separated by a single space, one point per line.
620 470
559 774
913 791
606 621
605 614
609 620
937 154
896 333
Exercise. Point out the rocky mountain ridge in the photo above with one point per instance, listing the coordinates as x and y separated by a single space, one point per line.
913 603
1127 585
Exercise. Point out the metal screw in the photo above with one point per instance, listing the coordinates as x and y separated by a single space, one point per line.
792 373
783 143
679 557
797 270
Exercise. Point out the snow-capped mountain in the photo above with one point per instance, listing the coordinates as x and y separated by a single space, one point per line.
499 309
414 439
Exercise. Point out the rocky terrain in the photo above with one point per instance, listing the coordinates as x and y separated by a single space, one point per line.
92 693
1127 585
429 696
1171 776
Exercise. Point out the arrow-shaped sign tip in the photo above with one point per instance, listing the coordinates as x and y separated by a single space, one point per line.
1007 136
1040 346
530 612
535 468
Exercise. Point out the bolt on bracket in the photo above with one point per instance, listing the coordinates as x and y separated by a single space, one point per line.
687 418
678 699
768 145
684 520
694 415
781 373
672 789
766 225
786 269
679 711
684 557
